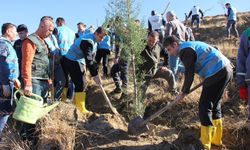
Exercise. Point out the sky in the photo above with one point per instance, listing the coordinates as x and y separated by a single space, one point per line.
92 12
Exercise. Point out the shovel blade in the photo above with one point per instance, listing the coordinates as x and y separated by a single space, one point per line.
136 126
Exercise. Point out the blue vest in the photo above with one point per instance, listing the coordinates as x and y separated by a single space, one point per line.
7 51
105 44
66 38
209 60
233 14
75 53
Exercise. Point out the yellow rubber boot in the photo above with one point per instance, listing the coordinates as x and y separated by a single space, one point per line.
79 101
64 94
217 138
206 136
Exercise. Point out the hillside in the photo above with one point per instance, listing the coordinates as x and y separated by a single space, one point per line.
176 129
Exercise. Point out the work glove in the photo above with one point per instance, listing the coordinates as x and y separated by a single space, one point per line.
6 90
244 93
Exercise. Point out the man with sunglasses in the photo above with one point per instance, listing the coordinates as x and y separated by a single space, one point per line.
81 52
216 71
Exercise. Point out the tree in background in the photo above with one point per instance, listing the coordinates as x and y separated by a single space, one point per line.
122 18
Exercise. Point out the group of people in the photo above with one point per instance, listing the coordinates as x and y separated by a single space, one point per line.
48 58
59 58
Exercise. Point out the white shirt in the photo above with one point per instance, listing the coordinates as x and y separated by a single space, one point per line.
156 22
195 10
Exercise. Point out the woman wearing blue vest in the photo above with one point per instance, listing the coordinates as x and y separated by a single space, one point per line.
81 52
103 52
9 72
216 71
231 20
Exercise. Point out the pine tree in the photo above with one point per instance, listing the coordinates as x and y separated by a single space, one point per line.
122 15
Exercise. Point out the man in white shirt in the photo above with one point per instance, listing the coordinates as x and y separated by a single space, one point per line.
196 12
156 23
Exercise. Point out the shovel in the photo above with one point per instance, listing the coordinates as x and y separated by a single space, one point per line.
108 101
113 109
138 125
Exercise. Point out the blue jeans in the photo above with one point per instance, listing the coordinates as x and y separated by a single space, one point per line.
176 65
197 19
3 121
231 24
41 88
5 109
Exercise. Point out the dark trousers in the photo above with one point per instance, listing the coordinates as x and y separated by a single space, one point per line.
231 24
119 72
75 71
197 19
210 100
103 54
59 81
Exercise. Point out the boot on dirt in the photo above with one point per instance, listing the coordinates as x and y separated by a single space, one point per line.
217 138
79 101
117 90
206 136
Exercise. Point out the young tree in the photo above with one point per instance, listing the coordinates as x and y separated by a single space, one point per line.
122 15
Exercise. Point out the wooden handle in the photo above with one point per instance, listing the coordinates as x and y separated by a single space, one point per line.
107 100
158 113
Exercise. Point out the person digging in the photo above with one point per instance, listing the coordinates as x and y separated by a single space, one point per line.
216 71
72 63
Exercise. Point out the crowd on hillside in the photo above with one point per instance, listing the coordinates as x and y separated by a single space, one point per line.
52 62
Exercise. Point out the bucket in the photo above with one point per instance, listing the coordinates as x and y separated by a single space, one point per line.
30 109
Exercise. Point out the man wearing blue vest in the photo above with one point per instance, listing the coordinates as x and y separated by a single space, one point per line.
81 52
103 52
66 37
56 71
243 68
231 20
216 71
9 72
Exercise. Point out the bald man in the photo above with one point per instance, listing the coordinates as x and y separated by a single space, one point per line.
35 66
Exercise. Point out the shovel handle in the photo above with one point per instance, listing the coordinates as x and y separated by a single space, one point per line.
108 101
158 113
